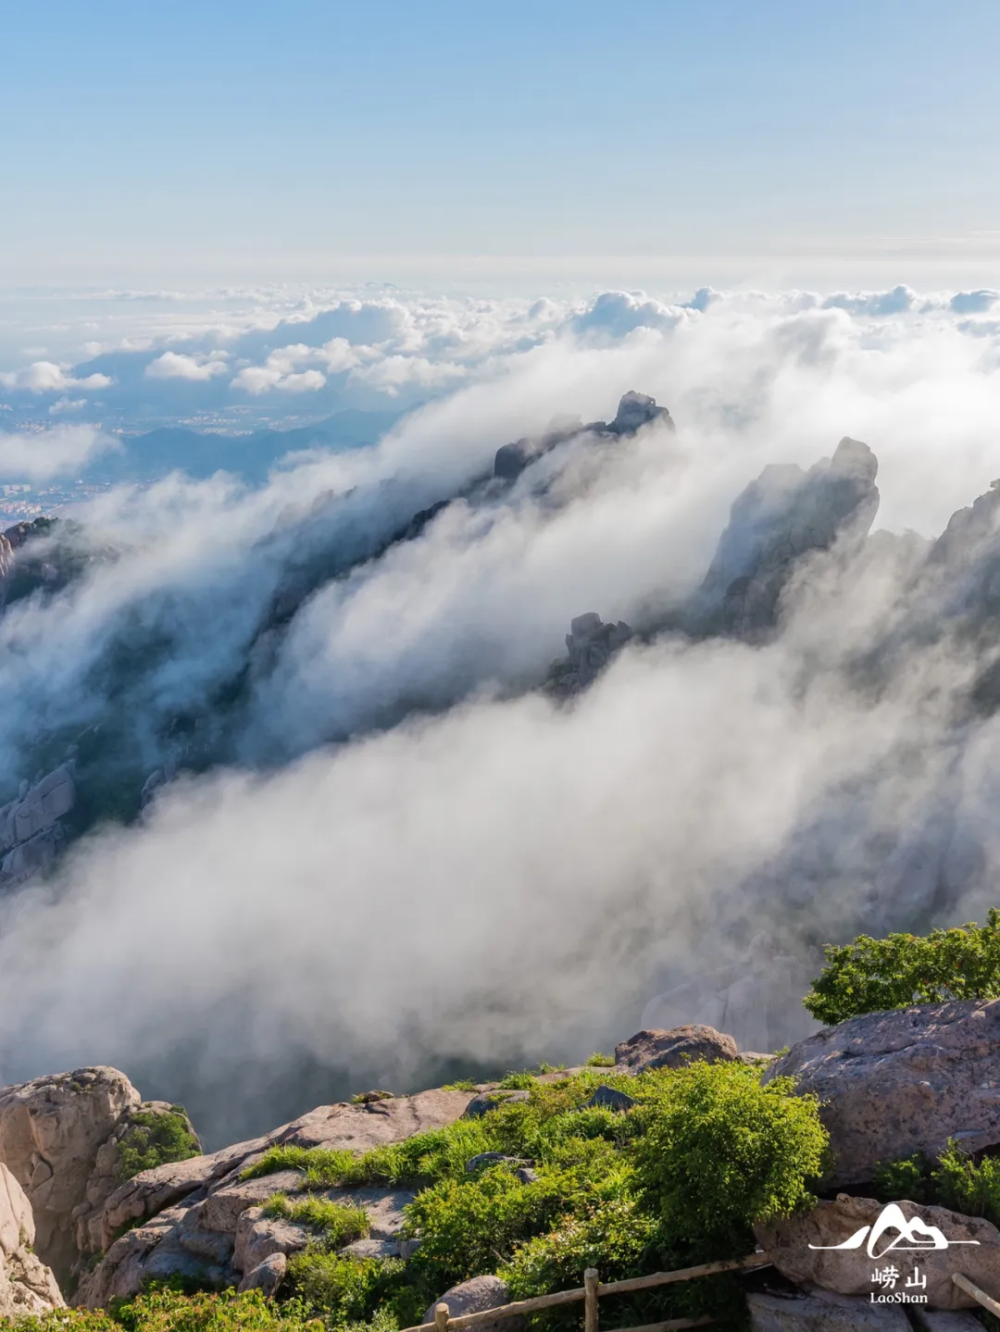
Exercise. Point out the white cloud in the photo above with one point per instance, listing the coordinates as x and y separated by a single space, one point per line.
177 365
47 377
41 454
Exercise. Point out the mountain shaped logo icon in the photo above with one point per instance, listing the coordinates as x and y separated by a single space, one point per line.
911 1236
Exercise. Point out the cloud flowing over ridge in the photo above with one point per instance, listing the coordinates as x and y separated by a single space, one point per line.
403 854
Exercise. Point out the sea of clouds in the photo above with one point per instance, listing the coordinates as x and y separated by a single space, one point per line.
411 855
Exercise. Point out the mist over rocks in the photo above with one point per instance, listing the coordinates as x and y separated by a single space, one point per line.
318 713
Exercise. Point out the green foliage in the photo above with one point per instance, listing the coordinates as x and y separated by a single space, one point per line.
168 1309
719 1151
518 1081
963 1185
463 1084
598 1060
957 1181
335 1224
909 1178
682 1175
154 1138
872 975
349 1291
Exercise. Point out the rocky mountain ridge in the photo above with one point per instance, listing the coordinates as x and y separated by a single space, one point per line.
204 1218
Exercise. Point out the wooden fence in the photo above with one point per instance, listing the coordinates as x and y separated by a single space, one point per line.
590 1292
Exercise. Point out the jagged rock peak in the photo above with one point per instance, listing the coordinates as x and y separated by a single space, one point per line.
590 644
784 514
635 410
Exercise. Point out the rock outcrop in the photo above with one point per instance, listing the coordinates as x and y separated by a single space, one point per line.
52 1132
31 830
800 1248
590 645
61 1138
891 1084
199 1219
635 410
673 1049
27 1286
785 514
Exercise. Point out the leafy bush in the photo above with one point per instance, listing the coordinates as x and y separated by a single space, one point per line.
598 1060
154 1138
517 1081
681 1175
336 1224
719 1151
957 1181
909 1177
168 1309
871 975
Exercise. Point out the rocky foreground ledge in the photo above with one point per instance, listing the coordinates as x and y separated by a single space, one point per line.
891 1084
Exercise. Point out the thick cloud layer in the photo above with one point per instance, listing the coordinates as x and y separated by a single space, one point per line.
396 851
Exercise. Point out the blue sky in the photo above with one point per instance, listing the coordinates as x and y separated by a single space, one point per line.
180 143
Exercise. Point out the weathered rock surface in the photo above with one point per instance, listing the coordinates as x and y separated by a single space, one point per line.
849 1271
901 1082
266 1276
52 1132
199 1218
31 831
482 1292
27 1286
673 1049
819 1313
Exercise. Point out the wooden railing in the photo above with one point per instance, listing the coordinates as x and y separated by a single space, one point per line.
590 1292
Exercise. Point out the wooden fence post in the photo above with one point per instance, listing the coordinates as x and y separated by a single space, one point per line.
591 1281
441 1315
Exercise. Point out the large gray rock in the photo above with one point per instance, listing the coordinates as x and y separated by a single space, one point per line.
800 1248
941 1320
903 1081
267 1276
51 1133
816 1313
482 1292
673 1049
27 1286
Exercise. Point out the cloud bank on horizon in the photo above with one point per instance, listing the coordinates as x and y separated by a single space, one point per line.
398 793
228 360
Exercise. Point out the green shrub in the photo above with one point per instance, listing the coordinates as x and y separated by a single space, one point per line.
964 1185
598 1060
154 1138
518 1081
909 1178
168 1309
719 1151
335 1224
872 975
956 1180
